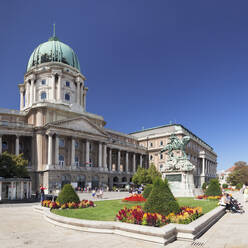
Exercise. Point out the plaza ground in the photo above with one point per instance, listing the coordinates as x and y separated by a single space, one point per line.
22 227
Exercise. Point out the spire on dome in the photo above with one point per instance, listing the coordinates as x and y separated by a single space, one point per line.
54 35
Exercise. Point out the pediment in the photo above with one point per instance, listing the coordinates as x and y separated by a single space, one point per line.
80 124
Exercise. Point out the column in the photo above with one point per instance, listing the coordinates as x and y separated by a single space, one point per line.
87 153
17 146
105 156
0 190
59 88
32 92
118 160
100 155
126 162
134 163
57 150
13 191
72 151
110 159
203 166
28 94
34 99
84 98
50 149
141 161
53 87
78 93
21 98
22 189
1 144
28 189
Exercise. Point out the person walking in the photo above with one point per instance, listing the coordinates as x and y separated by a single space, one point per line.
42 193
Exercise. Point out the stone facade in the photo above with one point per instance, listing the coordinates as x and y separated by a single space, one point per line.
61 140
200 154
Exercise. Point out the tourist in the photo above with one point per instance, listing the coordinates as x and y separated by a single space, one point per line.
93 193
42 193
246 194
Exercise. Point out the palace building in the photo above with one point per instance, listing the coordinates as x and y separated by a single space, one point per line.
64 143
199 153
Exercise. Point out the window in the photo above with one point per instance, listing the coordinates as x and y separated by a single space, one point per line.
61 143
61 160
5 145
161 143
76 144
43 95
67 97
151 145
67 84
43 82
151 157
161 156
76 161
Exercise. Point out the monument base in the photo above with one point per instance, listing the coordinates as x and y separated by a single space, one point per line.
181 183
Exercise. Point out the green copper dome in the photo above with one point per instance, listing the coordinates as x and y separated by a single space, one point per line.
53 51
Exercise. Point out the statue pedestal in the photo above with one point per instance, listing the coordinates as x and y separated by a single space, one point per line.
181 183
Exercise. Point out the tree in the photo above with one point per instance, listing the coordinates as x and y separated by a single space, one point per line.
161 200
67 194
147 190
213 188
13 165
146 176
239 174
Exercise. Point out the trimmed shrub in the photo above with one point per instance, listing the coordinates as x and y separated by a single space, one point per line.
204 186
213 188
161 200
224 186
239 186
67 194
147 191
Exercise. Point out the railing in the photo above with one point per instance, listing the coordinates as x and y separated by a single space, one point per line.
15 124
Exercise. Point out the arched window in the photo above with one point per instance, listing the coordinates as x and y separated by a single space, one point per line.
43 95
67 97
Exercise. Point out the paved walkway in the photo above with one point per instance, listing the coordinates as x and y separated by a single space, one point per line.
22 227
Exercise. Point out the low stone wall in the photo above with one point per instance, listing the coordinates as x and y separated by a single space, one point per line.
162 235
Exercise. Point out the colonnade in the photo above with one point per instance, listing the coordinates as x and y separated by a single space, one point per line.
17 144
104 152
208 167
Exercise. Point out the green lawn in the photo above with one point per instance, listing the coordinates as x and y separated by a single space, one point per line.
107 210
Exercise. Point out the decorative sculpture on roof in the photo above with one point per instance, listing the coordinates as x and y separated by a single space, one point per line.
174 162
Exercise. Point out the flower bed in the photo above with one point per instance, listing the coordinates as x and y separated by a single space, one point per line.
135 198
136 215
204 197
70 205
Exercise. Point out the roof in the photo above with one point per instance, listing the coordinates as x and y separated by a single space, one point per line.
53 51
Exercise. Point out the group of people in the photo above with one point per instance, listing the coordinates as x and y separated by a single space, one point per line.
232 204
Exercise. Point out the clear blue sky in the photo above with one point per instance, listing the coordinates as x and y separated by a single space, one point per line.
146 62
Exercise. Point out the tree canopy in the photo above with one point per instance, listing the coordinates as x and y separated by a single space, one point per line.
13 165
239 174
146 176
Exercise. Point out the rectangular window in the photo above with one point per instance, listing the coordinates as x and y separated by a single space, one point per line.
76 144
161 156
151 145
61 143
161 143
67 84
43 82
